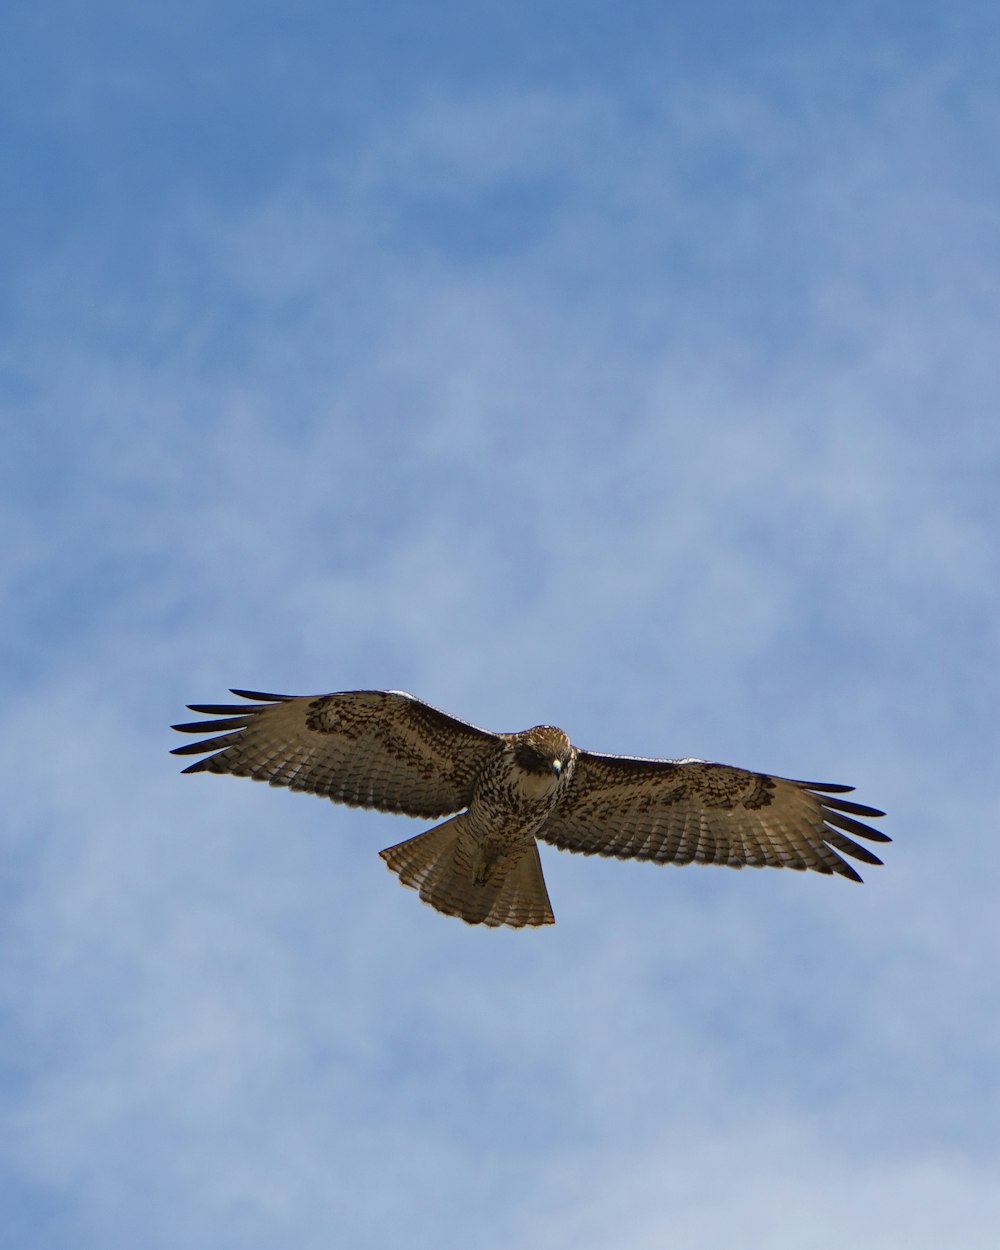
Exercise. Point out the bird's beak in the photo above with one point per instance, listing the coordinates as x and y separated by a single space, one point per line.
557 767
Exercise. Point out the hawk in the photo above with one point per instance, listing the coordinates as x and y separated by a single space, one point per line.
502 792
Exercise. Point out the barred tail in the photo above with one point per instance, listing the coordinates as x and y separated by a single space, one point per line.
440 864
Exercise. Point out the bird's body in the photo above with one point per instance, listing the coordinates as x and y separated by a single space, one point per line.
385 749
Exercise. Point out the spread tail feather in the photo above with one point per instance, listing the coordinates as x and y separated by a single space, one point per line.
440 865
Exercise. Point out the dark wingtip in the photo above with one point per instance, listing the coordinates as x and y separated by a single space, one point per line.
875 835
830 787
201 766
847 846
853 809
228 724
256 696
220 709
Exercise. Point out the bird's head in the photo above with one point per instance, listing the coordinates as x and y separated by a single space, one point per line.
542 751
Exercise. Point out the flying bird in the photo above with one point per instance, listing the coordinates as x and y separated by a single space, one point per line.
502 792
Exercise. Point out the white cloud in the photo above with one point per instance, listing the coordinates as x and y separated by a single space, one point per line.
778 1186
558 483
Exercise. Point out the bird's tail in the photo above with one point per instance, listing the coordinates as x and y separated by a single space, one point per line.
441 865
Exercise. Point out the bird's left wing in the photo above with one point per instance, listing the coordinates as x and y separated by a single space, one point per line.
369 748
684 811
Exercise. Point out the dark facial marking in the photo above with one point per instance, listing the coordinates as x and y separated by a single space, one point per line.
532 759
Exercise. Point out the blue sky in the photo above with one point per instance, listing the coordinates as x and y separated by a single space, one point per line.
631 368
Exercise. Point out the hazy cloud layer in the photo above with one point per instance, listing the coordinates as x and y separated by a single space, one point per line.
661 409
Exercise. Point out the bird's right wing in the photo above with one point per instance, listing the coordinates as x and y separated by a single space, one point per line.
369 748
691 811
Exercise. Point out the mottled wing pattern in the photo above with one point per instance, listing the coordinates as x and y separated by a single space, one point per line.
369 748
691 811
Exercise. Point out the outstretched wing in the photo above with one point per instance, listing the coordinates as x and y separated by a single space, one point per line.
684 811
368 748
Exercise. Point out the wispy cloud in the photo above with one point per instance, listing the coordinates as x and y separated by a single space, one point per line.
666 417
